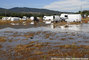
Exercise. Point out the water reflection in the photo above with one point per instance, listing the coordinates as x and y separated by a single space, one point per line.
52 25
79 27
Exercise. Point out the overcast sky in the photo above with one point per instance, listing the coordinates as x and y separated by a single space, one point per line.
59 5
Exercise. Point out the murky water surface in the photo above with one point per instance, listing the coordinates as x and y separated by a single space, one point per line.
74 34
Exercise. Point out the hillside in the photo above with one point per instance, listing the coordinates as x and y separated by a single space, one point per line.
24 11
28 10
3 10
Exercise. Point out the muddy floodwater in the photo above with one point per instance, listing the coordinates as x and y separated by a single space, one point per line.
44 42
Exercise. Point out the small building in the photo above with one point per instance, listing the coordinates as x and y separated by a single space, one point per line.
49 19
15 19
32 18
88 16
11 18
5 18
46 18
24 18
71 17
52 18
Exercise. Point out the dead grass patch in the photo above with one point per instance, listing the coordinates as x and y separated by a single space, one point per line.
51 38
2 39
30 35
63 38
39 45
47 35
38 52
10 41
0 46
70 38
68 46
75 23
8 32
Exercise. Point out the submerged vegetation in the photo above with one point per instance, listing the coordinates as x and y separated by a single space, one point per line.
44 45
2 39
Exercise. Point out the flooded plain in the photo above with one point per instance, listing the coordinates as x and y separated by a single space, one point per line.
44 42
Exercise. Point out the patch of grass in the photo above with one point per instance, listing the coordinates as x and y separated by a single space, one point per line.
51 38
38 52
75 23
29 35
71 38
73 46
10 41
8 22
63 38
32 42
0 46
8 32
2 39
47 35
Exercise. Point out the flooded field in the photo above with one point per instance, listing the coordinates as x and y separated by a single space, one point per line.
44 42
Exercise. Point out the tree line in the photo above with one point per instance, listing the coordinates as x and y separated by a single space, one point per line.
22 14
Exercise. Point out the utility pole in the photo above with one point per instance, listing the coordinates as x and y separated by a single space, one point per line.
81 7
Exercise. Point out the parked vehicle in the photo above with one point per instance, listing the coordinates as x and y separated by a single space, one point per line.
71 17
51 18
32 18
24 18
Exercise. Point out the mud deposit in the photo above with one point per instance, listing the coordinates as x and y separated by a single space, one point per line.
43 43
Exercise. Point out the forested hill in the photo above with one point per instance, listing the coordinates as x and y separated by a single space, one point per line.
28 10
24 11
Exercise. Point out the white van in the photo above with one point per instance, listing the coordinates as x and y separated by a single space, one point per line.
71 17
